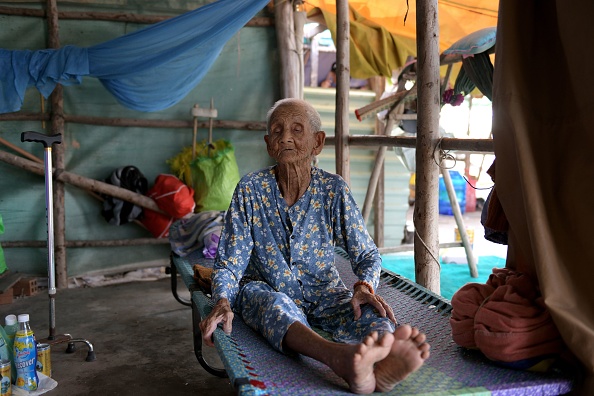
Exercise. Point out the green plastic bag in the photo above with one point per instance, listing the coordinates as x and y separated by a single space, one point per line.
2 260
214 175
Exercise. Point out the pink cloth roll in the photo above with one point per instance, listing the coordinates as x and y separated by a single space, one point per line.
506 318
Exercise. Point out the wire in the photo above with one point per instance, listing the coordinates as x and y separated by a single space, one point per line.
425 245
477 188
444 156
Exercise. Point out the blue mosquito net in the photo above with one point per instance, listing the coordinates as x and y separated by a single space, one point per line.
147 70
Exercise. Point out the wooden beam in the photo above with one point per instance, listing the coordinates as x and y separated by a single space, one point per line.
113 16
454 144
137 122
411 247
90 243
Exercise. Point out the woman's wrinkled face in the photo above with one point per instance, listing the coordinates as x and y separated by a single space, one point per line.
290 138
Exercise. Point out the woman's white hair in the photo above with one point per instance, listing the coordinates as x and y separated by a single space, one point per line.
315 121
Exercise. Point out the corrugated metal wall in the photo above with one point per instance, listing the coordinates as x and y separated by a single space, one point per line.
243 83
362 160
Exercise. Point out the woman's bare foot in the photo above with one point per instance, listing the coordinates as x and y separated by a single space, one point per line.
408 353
355 363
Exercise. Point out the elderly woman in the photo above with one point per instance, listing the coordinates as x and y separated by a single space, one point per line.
275 264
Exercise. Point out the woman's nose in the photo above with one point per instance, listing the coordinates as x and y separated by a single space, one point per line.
286 135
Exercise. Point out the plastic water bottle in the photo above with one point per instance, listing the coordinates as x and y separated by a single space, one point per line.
10 329
4 351
25 355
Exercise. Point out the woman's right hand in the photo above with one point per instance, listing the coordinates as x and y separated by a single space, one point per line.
221 313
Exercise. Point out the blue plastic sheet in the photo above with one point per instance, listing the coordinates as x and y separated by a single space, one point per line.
147 70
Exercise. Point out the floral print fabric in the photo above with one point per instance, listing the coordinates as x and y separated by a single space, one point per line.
291 250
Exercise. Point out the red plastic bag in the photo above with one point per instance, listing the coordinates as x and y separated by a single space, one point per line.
172 196
157 223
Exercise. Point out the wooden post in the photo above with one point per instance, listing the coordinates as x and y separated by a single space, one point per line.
342 90
378 84
57 126
299 19
426 214
285 36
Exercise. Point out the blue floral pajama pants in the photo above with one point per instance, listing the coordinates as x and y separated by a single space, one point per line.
271 313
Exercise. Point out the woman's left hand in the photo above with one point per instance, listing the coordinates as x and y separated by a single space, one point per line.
362 296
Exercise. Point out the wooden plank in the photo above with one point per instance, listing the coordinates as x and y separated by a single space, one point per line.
8 279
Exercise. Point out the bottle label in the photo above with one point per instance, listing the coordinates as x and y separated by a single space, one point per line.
25 363
25 359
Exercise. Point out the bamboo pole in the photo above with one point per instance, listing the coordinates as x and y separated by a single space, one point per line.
426 216
379 204
411 247
378 84
22 152
470 258
375 173
113 16
341 147
82 182
137 122
473 145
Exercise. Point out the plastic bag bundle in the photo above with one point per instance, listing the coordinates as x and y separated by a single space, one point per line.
213 173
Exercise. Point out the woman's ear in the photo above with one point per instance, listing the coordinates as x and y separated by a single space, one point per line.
320 138
268 147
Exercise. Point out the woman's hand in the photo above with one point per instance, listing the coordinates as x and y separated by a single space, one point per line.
363 295
221 313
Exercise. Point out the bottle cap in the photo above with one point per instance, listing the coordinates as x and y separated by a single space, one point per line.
10 320
23 318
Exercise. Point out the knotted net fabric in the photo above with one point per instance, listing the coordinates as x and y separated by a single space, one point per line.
147 70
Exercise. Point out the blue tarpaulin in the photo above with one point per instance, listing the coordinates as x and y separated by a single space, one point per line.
147 70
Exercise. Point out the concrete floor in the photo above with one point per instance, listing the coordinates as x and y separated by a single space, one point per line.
141 335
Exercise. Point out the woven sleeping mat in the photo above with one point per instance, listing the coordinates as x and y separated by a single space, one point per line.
254 368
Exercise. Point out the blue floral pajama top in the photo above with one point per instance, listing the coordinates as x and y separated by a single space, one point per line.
292 248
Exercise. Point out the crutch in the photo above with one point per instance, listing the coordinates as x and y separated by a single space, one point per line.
48 141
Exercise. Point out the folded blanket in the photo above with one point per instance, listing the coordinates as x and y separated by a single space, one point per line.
194 232
202 276
506 318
